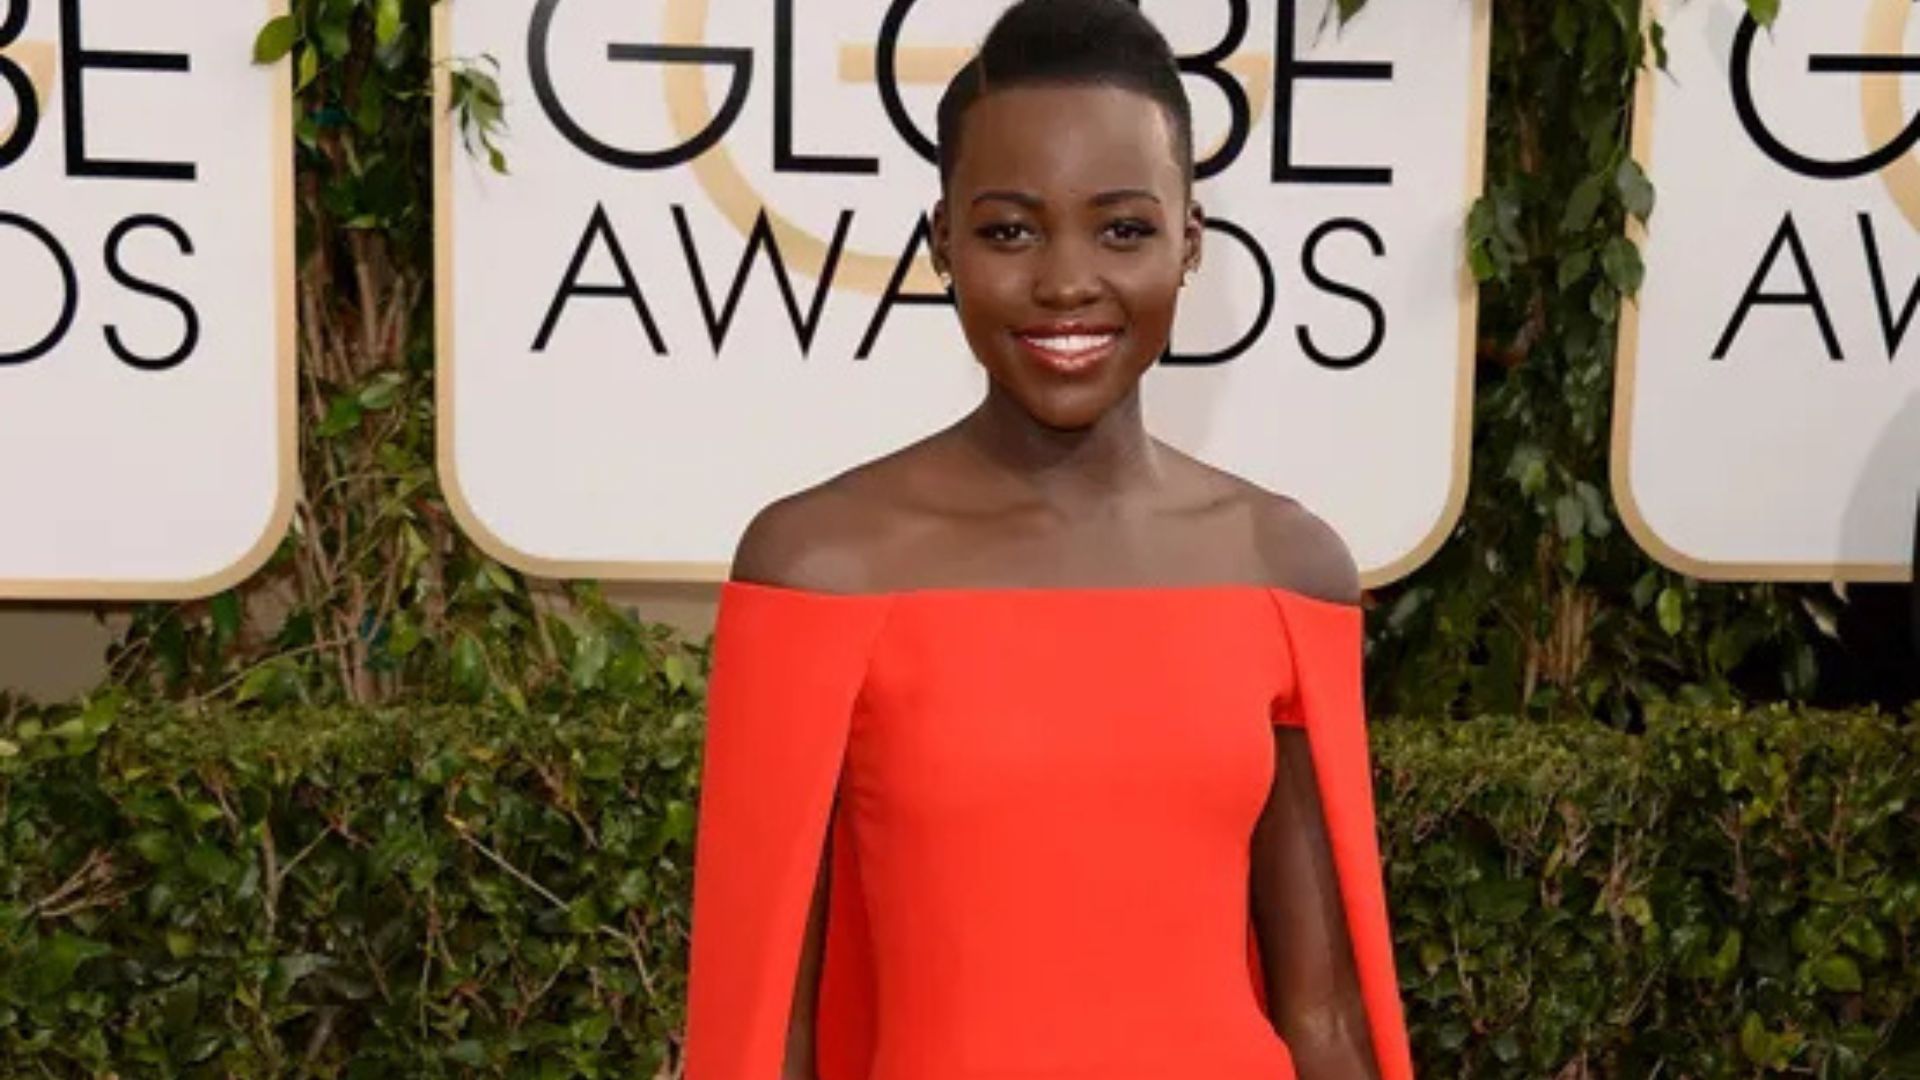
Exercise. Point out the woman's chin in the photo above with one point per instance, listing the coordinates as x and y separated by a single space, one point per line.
1066 408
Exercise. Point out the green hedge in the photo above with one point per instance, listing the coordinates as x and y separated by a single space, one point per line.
467 893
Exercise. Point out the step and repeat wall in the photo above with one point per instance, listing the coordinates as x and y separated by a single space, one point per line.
147 441
704 282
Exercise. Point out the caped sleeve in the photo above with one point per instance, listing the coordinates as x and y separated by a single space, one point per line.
787 670
1327 699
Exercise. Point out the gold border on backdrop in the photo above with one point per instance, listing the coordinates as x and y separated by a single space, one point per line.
445 138
1626 358
286 400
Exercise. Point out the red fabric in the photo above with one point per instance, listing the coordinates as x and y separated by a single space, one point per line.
1046 796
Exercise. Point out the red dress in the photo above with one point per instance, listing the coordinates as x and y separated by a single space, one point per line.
1041 856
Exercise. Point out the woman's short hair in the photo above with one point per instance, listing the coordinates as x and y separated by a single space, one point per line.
1069 43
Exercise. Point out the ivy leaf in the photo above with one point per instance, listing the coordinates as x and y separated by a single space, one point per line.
309 65
276 39
386 22
1622 264
1672 609
1574 267
1643 589
1636 191
1582 205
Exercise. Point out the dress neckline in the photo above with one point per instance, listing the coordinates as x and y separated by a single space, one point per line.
1011 592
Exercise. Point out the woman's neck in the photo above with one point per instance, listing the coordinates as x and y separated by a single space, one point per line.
1073 471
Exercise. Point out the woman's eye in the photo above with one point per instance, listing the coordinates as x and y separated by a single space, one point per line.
1129 230
1003 233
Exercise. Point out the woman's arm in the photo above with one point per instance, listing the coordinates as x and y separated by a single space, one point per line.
799 1061
1313 990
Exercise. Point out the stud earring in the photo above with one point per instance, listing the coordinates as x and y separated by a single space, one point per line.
1186 279
946 279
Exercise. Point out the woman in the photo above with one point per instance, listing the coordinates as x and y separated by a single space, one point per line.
1035 747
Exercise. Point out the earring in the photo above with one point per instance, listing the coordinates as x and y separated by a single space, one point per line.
946 279
1186 279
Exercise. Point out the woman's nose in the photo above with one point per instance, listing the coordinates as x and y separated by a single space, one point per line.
1066 277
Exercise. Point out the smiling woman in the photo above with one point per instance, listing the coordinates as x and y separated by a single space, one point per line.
1035 747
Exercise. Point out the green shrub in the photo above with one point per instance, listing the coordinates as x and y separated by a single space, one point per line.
1731 894
465 892
341 893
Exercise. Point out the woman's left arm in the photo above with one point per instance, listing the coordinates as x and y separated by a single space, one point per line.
1306 954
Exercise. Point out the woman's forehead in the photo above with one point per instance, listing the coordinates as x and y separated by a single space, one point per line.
1074 136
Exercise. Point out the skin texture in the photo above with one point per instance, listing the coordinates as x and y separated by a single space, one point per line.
1067 205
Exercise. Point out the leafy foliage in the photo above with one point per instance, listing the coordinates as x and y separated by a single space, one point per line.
447 891
1541 604
441 892
1729 895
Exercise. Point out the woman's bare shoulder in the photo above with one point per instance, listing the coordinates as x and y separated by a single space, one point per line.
830 537
1301 552
1292 548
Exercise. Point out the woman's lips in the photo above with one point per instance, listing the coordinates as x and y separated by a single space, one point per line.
1069 352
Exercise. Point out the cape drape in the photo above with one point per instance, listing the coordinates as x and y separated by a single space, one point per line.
787 670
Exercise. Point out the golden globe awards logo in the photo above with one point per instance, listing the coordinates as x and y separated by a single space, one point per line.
1225 68
146 322
715 230
1768 419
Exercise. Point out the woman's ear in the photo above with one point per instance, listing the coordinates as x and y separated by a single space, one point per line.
940 248
1193 232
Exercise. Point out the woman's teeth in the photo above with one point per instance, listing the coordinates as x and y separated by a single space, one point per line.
1070 353
1072 344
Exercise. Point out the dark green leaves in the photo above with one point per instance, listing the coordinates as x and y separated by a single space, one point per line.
58 959
209 884
479 109
1636 191
1571 894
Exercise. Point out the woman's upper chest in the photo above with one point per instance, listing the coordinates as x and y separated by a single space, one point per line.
1044 687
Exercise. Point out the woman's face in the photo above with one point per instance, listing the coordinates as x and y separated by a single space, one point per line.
1067 229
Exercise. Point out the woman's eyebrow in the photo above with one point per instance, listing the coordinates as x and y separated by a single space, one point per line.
1018 198
1034 202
